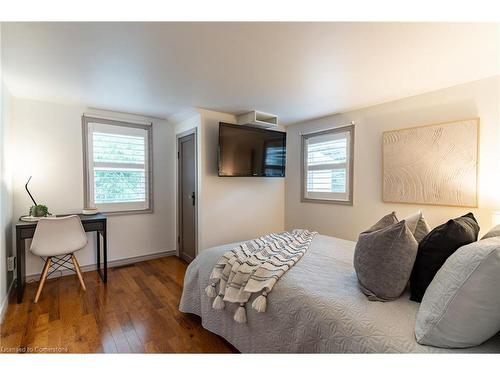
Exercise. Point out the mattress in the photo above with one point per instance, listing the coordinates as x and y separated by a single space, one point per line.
316 307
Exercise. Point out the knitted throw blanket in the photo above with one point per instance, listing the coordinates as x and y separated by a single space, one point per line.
253 267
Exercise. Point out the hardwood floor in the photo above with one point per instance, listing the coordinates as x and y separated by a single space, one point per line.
135 312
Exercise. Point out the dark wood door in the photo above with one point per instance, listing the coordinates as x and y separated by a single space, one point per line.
187 197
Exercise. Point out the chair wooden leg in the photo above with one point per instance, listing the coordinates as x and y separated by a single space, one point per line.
43 277
78 271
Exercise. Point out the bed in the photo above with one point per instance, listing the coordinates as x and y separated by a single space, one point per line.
316 307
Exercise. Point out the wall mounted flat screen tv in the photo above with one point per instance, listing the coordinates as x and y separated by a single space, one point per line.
245 151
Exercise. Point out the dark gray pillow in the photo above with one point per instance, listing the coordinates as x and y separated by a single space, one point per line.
383 260
494 232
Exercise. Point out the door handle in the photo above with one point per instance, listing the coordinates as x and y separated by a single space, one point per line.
193 197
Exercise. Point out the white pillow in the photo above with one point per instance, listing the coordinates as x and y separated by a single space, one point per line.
494 232
461 307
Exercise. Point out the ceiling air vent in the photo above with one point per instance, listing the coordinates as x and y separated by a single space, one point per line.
258 119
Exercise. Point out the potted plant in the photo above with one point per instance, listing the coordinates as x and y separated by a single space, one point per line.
39 210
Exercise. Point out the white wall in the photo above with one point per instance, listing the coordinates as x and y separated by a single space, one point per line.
5 191
47 139
234 208
475 99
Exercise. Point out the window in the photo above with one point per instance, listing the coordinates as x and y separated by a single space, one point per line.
118 173
328 165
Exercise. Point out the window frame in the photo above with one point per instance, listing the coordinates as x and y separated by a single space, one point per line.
87 168
350 166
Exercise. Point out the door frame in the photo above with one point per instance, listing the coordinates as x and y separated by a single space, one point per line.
193 131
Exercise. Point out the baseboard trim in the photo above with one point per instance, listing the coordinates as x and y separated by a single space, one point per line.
5 302
111 264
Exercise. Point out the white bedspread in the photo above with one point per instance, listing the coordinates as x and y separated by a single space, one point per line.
326 314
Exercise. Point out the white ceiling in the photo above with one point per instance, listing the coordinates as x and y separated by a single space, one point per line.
295 70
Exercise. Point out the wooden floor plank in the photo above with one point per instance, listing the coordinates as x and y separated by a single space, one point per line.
135 312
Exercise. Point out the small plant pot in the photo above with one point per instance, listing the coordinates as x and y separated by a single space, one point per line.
39 211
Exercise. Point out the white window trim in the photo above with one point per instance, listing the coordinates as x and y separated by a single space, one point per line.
323 197
116 208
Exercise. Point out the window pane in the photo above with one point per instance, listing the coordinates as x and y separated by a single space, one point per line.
119 166
327 152
119 185
327 164
117 148
327 181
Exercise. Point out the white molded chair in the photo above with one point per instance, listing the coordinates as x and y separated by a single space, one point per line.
55 240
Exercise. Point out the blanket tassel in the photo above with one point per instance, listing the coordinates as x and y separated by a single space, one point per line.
241 315
219 302
260 303
211 291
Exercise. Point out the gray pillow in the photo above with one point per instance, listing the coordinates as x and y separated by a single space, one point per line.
387 220
383 260
417 225
461 306
494 232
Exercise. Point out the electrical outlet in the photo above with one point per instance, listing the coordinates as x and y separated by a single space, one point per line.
11 263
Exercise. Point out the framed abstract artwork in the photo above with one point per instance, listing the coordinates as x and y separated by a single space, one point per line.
434 164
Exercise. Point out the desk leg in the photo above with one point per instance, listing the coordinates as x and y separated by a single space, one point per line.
104 273
21 267
105 251
98 251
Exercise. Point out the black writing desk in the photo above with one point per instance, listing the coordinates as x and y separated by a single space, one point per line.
25 230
